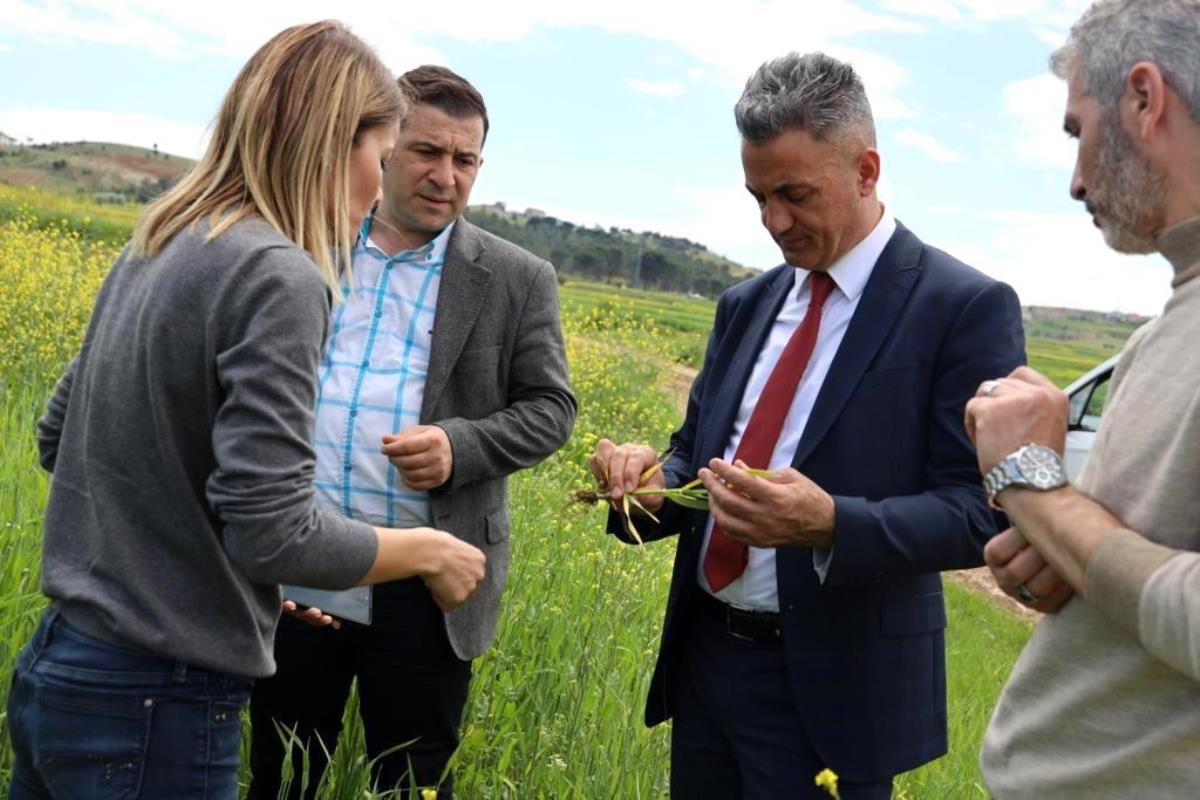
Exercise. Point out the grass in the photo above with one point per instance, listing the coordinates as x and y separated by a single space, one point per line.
556 705
682 322
110 223
982 644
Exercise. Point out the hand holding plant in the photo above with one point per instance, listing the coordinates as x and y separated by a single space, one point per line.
630 477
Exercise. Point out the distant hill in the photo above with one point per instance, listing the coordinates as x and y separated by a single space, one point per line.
618 256
116 173
105 171
1104 330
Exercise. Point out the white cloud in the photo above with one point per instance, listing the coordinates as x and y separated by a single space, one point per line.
1048 20
1036 106
887 192
657 88
144 130
1058 259
1048 14
106 22
1052 36
730 38
936 9
199 30
929 146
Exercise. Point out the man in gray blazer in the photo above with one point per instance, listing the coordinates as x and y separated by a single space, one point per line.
445 372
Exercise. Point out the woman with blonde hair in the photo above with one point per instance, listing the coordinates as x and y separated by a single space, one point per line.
180 442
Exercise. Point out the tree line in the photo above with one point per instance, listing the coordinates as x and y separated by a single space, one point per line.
616 256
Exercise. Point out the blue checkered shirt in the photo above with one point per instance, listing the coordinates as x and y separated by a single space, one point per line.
372 381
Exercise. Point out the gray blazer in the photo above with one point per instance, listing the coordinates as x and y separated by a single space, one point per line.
498 386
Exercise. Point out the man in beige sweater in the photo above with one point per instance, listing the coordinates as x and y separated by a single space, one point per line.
1105 700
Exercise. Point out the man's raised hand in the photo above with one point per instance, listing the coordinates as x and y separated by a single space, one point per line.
618 469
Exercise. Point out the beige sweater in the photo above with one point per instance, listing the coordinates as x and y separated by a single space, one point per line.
1105 699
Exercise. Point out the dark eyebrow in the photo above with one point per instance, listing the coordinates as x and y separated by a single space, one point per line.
439 149
786 188
803 186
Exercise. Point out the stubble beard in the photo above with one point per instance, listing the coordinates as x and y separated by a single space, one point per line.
1129 193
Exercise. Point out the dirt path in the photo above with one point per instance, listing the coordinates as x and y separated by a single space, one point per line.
680 383
977 580
980 581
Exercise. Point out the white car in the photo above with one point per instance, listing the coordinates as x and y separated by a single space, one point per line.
1087 395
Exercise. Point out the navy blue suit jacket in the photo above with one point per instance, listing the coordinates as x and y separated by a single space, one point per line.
865 647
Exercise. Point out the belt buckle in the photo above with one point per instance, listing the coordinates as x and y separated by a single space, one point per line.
769 632
730 613
729 628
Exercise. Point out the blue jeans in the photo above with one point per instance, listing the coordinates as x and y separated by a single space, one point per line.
88 719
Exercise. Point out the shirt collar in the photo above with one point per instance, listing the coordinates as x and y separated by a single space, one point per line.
851 272
432 252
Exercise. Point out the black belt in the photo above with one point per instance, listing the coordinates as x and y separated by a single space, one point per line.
759 627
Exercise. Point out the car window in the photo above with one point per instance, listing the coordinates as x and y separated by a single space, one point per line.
1079 400
1087 405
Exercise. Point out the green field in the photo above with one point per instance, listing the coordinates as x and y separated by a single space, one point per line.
556 705
1062 349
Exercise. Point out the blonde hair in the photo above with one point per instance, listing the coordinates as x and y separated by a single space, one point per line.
281 145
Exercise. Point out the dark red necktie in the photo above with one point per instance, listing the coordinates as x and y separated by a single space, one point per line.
725 560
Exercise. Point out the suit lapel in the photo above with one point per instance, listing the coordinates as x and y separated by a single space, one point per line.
887 289
463 287
761 317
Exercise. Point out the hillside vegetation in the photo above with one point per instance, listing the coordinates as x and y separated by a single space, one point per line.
100 170
616 256
117 173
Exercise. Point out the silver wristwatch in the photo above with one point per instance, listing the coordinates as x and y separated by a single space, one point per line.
1032 466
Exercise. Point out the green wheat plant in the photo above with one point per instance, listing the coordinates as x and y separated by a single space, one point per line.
690 495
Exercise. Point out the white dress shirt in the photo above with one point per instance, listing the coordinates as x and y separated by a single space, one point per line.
757 587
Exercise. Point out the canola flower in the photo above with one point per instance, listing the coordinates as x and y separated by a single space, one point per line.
827 779
50 273
110 223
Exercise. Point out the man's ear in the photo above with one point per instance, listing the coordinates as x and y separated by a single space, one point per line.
1144 101
868 171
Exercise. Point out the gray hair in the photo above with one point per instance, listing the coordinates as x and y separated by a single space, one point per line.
1113 35
811 92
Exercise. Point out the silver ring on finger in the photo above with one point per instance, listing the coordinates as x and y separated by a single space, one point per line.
1026 597
988 387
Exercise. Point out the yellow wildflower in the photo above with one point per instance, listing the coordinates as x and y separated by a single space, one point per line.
827 779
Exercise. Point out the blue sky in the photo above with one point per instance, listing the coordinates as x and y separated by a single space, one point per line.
620 113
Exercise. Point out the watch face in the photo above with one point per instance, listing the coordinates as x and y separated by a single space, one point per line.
1041 467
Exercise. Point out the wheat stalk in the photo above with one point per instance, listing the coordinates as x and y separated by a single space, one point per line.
690 495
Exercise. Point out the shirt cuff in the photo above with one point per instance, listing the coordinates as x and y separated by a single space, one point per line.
822 559
1118 569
